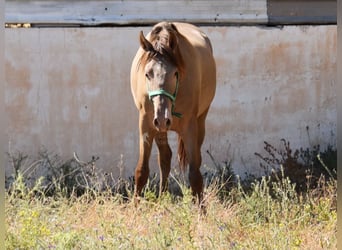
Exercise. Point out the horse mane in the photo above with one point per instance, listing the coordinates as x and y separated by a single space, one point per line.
164 39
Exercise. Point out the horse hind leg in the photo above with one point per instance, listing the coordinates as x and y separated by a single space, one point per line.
201 127
164 160
200 136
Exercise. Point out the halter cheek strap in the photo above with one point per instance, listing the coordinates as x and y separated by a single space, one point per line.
172 97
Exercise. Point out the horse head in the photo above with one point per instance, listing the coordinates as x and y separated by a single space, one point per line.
162 67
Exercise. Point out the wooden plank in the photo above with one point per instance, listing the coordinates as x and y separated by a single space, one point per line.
136 12
302 12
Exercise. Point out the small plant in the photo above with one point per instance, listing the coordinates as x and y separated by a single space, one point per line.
70 177
303 166
221 174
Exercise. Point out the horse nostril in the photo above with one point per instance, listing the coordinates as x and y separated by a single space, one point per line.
168 122
156 122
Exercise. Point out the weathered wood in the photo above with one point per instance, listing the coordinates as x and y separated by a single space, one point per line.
135 12
302 12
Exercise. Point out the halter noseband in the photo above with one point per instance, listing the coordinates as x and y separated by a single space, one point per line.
172 97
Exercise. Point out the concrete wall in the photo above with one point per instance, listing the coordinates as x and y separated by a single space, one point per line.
67 89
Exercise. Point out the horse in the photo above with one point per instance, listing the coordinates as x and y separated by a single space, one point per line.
173 82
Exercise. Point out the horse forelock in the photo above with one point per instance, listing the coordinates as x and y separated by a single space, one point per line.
162 44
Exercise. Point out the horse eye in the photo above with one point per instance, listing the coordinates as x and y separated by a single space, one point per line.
147 76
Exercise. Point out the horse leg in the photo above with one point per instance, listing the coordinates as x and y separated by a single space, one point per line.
142 168
164 160
193 142
194 159
200 136
201 127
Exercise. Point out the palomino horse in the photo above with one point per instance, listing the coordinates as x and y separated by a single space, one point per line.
173 82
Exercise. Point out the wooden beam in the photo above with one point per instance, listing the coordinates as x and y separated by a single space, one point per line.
136 12
302 12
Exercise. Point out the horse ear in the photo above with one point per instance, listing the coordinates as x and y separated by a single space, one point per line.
173 26
144 43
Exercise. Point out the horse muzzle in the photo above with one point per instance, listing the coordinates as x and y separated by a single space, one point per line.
162 124
162 119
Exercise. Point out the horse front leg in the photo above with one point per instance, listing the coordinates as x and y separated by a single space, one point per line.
164 160
142 168
194 158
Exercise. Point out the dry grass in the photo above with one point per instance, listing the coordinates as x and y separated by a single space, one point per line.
271 215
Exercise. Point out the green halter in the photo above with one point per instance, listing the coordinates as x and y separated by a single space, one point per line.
172 97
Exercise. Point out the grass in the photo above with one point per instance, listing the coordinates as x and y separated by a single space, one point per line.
271 216
268 213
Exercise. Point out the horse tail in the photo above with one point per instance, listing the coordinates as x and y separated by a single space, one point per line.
182 159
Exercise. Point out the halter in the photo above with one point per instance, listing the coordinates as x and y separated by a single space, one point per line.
172 97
